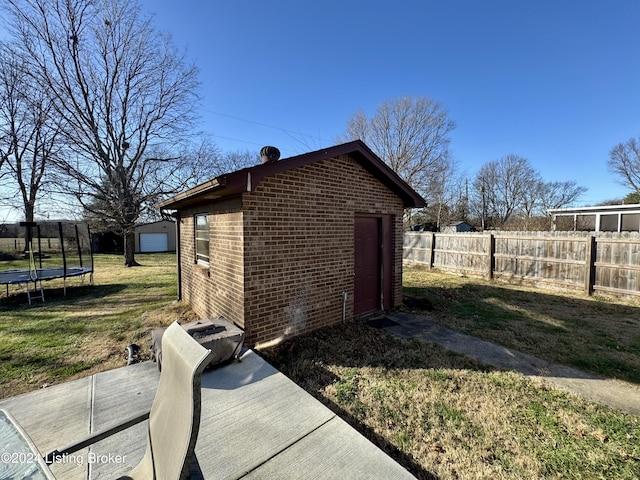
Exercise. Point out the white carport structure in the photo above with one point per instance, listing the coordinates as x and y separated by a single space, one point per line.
607 218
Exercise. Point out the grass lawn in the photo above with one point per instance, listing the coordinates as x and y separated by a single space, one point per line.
88 330
597 334
440 414
443 415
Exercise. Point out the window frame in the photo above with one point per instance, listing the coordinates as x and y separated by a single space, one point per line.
200 237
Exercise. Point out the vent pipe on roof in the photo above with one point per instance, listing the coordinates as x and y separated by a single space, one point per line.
269 154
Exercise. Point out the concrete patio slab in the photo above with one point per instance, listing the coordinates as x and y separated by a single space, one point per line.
256 423
117 394
340 446
265 418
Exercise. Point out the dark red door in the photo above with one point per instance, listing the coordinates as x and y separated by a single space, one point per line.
366 295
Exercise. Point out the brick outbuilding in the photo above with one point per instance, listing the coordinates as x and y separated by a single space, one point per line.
292 245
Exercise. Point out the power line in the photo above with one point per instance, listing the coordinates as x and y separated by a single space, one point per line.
235 139
290 133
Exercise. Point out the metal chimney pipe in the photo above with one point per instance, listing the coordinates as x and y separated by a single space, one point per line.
269 154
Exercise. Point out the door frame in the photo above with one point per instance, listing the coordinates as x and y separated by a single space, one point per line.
385 258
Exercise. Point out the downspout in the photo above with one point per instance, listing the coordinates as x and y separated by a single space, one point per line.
381 260
178 252
344 307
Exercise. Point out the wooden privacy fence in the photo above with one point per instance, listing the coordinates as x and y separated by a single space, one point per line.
607 262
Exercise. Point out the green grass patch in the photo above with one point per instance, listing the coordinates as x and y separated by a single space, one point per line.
439 413
88 329
598 334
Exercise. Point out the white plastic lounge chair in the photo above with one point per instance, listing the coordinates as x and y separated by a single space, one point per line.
174 419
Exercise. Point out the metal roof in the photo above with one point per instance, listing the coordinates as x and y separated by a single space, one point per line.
626 208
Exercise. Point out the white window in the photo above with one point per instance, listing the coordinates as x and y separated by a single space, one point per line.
202 239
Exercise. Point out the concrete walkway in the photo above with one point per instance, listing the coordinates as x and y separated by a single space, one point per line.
614 393
255 424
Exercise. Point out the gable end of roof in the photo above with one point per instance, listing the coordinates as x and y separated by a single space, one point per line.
248 179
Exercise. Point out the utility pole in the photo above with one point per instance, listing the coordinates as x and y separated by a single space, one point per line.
483 204
465 208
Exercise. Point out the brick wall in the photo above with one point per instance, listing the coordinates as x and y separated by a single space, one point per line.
282 256
298 244
217 289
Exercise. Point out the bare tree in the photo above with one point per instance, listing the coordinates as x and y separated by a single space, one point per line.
631 198
624 163
204 161
502 184
412 136
513 193
531 199
28 131
200 161
238 159
119 88
559 194
448 197
5 137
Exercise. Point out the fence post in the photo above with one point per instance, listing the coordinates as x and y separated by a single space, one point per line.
590 265
432 250
491 251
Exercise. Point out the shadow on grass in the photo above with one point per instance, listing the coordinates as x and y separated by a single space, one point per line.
308 358
55 296
593 334
56 368
60 319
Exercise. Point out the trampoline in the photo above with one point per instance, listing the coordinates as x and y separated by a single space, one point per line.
67 249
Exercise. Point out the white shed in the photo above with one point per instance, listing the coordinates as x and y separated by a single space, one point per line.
156 237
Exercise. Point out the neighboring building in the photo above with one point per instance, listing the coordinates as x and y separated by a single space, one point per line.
292 245
608 218
156 237
151 237
456 227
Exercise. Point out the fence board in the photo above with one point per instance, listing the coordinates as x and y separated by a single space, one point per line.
608 262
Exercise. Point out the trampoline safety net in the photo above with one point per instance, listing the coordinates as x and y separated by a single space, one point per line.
33 252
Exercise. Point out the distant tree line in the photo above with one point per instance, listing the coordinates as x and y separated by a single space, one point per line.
624 163
413 136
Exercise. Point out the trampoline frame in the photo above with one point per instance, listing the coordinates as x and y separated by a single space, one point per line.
16 277
36 275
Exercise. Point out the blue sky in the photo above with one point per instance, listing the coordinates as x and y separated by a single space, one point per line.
556 82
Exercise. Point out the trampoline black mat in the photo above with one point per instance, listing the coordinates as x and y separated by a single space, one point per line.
9 277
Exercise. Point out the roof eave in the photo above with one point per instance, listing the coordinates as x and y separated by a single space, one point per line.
247 179
199 191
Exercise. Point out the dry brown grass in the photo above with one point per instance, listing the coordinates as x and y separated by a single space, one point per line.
440 414
445 416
